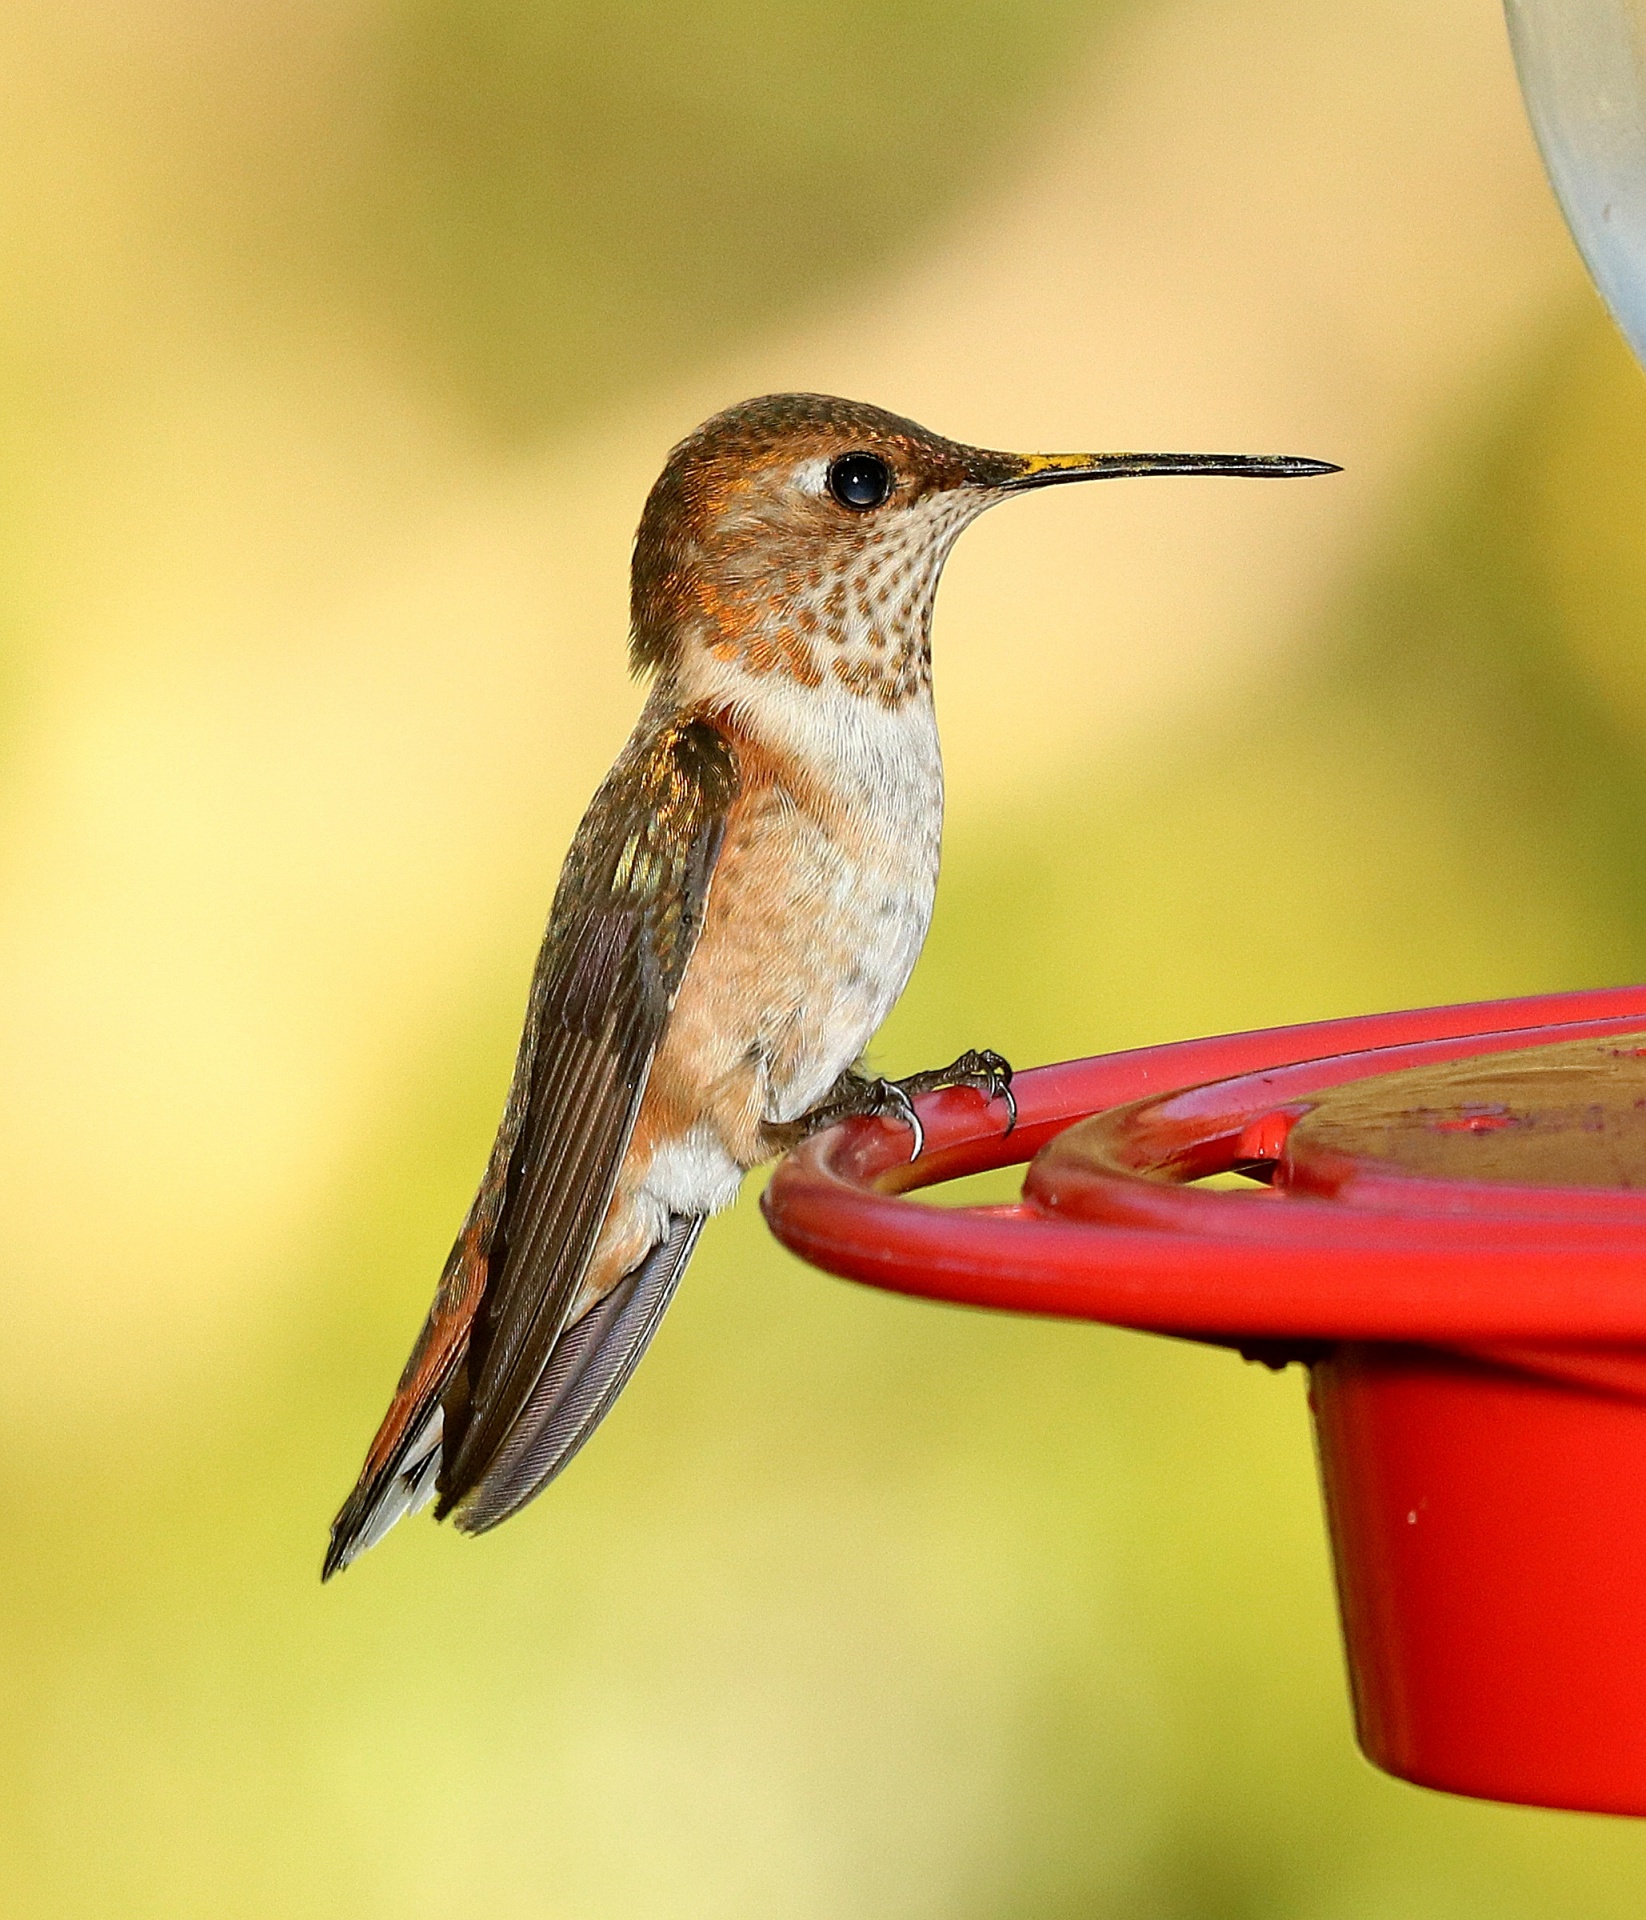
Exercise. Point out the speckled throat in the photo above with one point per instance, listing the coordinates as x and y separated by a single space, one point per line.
862 616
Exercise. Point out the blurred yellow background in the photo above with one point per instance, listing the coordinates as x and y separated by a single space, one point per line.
338 346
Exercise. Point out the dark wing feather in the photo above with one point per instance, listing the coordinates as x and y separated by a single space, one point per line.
626 916
625 920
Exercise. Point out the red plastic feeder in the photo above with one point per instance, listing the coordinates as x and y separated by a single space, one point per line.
1450 1229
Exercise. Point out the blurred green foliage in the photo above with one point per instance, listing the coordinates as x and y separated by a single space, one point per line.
558 199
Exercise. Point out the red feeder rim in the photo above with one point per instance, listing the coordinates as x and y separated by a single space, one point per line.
1323 1256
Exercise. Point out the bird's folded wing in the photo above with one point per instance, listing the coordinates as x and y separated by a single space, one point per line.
626 916
625 920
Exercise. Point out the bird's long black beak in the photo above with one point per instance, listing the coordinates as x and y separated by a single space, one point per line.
1055 469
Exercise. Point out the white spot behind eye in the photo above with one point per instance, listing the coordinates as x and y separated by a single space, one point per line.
812 476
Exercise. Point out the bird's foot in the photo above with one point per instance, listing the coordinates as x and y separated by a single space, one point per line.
860 1096
980 1067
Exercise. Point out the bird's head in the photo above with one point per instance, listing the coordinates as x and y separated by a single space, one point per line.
803 536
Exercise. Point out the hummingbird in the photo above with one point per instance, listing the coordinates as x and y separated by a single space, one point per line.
740 908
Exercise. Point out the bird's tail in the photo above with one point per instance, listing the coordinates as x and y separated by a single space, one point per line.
588 1369
376 1505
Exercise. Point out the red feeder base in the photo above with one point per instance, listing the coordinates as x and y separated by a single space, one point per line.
1488 1523
1451 1229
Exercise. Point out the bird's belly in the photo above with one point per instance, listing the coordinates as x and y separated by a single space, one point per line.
840 982
811 931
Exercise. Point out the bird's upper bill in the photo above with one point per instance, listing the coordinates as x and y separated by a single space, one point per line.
1017 472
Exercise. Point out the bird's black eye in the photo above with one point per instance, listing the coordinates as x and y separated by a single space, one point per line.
860 481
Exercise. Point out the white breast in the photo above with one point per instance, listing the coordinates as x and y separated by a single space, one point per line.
868 893
890 757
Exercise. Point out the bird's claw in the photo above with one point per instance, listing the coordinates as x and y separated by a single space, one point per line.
982 1068
894 1104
